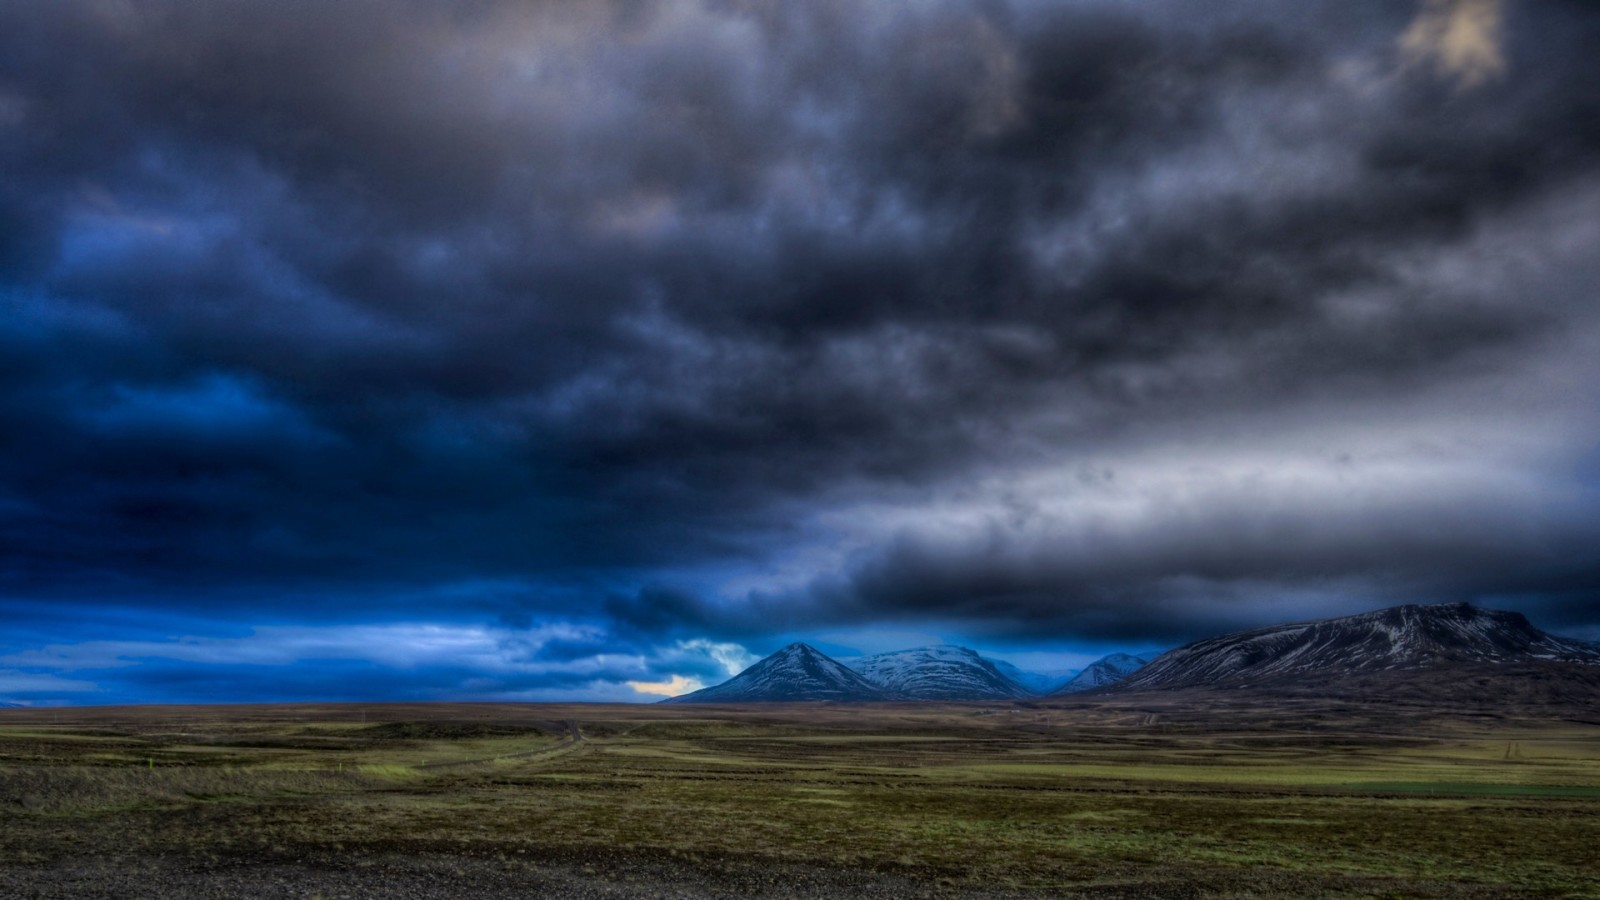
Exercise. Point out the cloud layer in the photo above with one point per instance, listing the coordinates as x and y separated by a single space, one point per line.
709 321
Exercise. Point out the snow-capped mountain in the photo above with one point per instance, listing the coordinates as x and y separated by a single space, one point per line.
1401 639
944 672
1450 644
1103 672
797 672
1037 682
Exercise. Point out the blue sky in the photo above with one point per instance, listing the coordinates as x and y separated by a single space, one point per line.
565 351
203 660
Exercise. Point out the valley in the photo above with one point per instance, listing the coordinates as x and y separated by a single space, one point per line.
1180 794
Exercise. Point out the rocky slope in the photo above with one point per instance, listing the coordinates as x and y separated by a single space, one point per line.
1404 639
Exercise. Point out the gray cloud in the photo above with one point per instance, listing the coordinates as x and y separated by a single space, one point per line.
701 318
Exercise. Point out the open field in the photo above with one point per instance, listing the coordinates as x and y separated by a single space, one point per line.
1100 797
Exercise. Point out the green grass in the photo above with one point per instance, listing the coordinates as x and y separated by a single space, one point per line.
942 795
1476 789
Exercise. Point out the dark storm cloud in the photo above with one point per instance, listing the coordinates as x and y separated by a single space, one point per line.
1246 558
614 306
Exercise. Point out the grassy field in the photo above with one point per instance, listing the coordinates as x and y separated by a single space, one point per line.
1094 798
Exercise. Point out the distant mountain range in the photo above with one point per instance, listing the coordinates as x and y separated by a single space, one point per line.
1436 650
939 673
1037 682
1398 642
1104 672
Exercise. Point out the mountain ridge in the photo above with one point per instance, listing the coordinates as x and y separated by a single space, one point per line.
1440 650
939 672
1399 639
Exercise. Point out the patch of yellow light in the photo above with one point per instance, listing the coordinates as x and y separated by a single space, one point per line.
1459 38
672 687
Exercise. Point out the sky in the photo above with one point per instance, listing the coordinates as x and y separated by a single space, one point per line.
589 351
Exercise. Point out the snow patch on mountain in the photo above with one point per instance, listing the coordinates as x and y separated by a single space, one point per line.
943 672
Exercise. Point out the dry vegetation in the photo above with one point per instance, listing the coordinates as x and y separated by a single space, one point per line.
1101 797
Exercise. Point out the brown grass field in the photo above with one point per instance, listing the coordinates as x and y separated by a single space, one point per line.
1183 796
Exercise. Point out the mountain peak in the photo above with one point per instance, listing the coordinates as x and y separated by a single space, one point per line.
798 648
795 673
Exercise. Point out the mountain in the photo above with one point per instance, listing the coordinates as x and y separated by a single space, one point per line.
1392 643
797 672
1037 682
1445 652
944 672
1105 671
